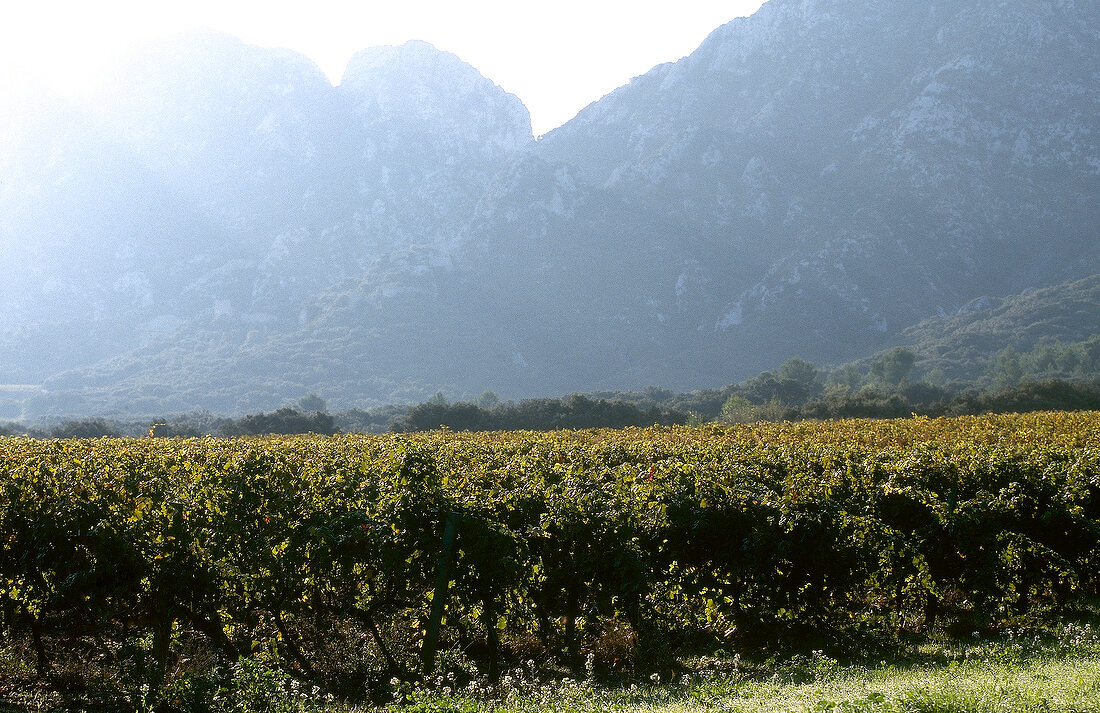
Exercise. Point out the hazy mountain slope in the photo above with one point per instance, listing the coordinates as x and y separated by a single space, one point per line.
960 345
863 164
217 187
811 181
89 245
315 182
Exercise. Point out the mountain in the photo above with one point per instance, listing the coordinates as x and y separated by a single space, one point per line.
963 345
229 231
857 166
215 189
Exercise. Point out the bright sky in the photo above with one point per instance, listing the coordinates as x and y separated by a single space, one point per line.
557 57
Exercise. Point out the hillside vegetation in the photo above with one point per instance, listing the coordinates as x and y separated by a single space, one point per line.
1057 327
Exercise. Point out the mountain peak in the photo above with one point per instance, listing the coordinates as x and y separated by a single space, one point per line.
410 55
418 83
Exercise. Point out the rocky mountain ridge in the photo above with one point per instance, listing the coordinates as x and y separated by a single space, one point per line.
216 180
811 181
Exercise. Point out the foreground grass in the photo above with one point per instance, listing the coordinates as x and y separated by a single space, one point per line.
1056 671
991 677
1008 675
1071 685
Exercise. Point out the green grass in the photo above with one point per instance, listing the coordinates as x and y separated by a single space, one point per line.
1015 673
1069 685
1054 685
1057 671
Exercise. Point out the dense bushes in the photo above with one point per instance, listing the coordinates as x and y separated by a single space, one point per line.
927 400
866 403
87 428
1029 396
285 421
576 411
327 553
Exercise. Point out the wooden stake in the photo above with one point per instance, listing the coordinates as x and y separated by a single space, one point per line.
439 597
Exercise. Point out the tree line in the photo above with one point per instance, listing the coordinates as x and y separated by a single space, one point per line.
795 391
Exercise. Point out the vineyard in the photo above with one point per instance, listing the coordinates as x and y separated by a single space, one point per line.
352 561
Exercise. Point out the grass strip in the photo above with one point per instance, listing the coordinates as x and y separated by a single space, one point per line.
1048 684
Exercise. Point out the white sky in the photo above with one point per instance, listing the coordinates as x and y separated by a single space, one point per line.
557 57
